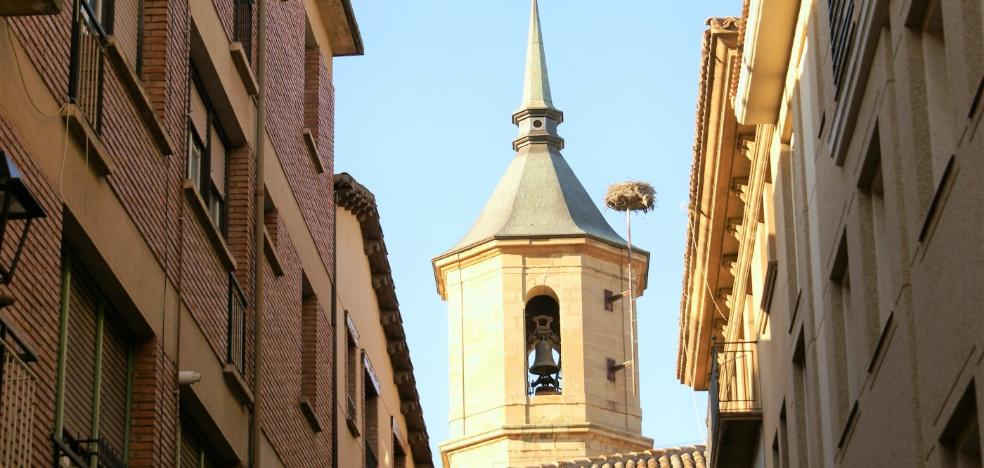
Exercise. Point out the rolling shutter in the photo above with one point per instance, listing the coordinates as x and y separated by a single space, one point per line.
83 304
112 407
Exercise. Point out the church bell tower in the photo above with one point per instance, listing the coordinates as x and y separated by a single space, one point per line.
540 336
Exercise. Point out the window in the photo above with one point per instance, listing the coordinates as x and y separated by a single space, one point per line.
243 28
101 12
370 422
842 301
316 135
270 218
800 403
351 374
783 436
206 154
961 438
787 229
875 233
128 29
543 345
938 93
399 453
97 373
839 298
309 342
236 326
312 78
86 75
842 23
196 452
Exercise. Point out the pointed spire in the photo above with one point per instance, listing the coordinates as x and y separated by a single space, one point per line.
536 85
537 118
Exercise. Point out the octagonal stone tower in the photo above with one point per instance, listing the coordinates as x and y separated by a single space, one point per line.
540 249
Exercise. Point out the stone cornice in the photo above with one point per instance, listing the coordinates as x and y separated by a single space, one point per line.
576 430
581 245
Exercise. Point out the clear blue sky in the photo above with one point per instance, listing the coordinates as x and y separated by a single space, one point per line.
423 120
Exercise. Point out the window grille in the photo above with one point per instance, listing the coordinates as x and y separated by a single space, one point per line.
243 29
18 397
842 25
88 61
236 337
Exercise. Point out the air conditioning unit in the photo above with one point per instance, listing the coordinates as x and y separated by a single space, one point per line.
30 7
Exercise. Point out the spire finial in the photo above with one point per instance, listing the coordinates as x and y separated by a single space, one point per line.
536 85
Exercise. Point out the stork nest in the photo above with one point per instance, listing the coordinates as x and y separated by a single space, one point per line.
631 196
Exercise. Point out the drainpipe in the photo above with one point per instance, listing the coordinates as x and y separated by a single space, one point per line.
259 255
334 330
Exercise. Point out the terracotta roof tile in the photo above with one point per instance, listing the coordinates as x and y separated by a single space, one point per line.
692 456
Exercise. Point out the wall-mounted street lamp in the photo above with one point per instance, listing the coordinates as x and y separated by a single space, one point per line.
18 204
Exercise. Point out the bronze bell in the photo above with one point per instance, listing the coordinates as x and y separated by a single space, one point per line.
543 360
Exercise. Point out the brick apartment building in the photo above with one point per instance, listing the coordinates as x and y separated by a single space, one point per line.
133 337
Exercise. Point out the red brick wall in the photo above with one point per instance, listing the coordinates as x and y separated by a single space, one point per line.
36 287
148 186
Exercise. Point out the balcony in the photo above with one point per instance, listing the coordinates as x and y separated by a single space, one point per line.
86 76
735 406
18 396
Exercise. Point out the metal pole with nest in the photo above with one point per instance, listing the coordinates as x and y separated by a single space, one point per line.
629 197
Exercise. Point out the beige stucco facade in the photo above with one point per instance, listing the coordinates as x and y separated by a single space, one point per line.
370 336
831 300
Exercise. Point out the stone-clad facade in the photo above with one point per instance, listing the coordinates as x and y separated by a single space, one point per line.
831 298
136 291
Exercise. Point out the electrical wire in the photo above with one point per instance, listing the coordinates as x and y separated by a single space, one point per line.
700 427
23 81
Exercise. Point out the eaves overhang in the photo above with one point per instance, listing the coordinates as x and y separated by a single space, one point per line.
714 148
769 30
337 18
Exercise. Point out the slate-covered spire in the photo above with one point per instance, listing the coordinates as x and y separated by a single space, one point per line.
536 84
537 118
539 196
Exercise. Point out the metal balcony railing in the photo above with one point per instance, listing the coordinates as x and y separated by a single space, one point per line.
734 381
88 65
70 452
236 332
18 393
106 456
350 416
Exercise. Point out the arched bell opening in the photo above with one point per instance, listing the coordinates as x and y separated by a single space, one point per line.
543 345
